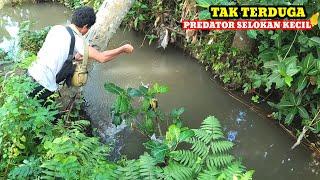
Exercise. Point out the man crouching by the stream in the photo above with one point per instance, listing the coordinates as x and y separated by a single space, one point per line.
51 58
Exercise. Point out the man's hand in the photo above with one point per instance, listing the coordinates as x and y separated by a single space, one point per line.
108 55
78 57
128 48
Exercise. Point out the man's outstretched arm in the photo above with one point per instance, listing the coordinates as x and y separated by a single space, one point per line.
108 55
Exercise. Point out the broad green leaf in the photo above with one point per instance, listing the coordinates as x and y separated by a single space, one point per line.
288 80
184 135
172 135
290 116
317 126
285 104
177 112
292 69
276 78
270 64
290 60
157 150
134 92
112 88
204 15
316 40
143 90
308 63
303 112
268 55
293 99
252 34
313 72
159 89
302 39
302 83
204 3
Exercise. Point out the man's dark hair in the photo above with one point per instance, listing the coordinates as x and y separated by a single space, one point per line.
82 16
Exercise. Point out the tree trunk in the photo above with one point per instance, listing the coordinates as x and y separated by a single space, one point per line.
109 18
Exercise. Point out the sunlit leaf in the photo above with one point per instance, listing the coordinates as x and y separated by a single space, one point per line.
314 19
204 15
252 34
204 3
159 89
288 80
248 175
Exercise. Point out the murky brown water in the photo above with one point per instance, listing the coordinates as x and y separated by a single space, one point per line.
263 145
43 14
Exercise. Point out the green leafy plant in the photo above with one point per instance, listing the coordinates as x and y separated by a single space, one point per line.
208 156
30 40
72 4
138 15
147 107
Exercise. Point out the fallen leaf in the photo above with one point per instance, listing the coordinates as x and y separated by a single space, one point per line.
314 19
157 21
165 40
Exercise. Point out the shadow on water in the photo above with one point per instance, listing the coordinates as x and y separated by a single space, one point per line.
263 145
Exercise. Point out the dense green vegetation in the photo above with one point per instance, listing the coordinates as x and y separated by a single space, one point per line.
284 69
34 144
285 66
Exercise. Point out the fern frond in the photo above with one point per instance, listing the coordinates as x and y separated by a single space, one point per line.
148 168
221 146
185 157
219 161
80 125
234 169
213 127
202 135
211 174
200 148
29 168
177 172
128 172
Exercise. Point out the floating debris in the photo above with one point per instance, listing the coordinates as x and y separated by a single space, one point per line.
232 135
240 117
265 154
271 145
